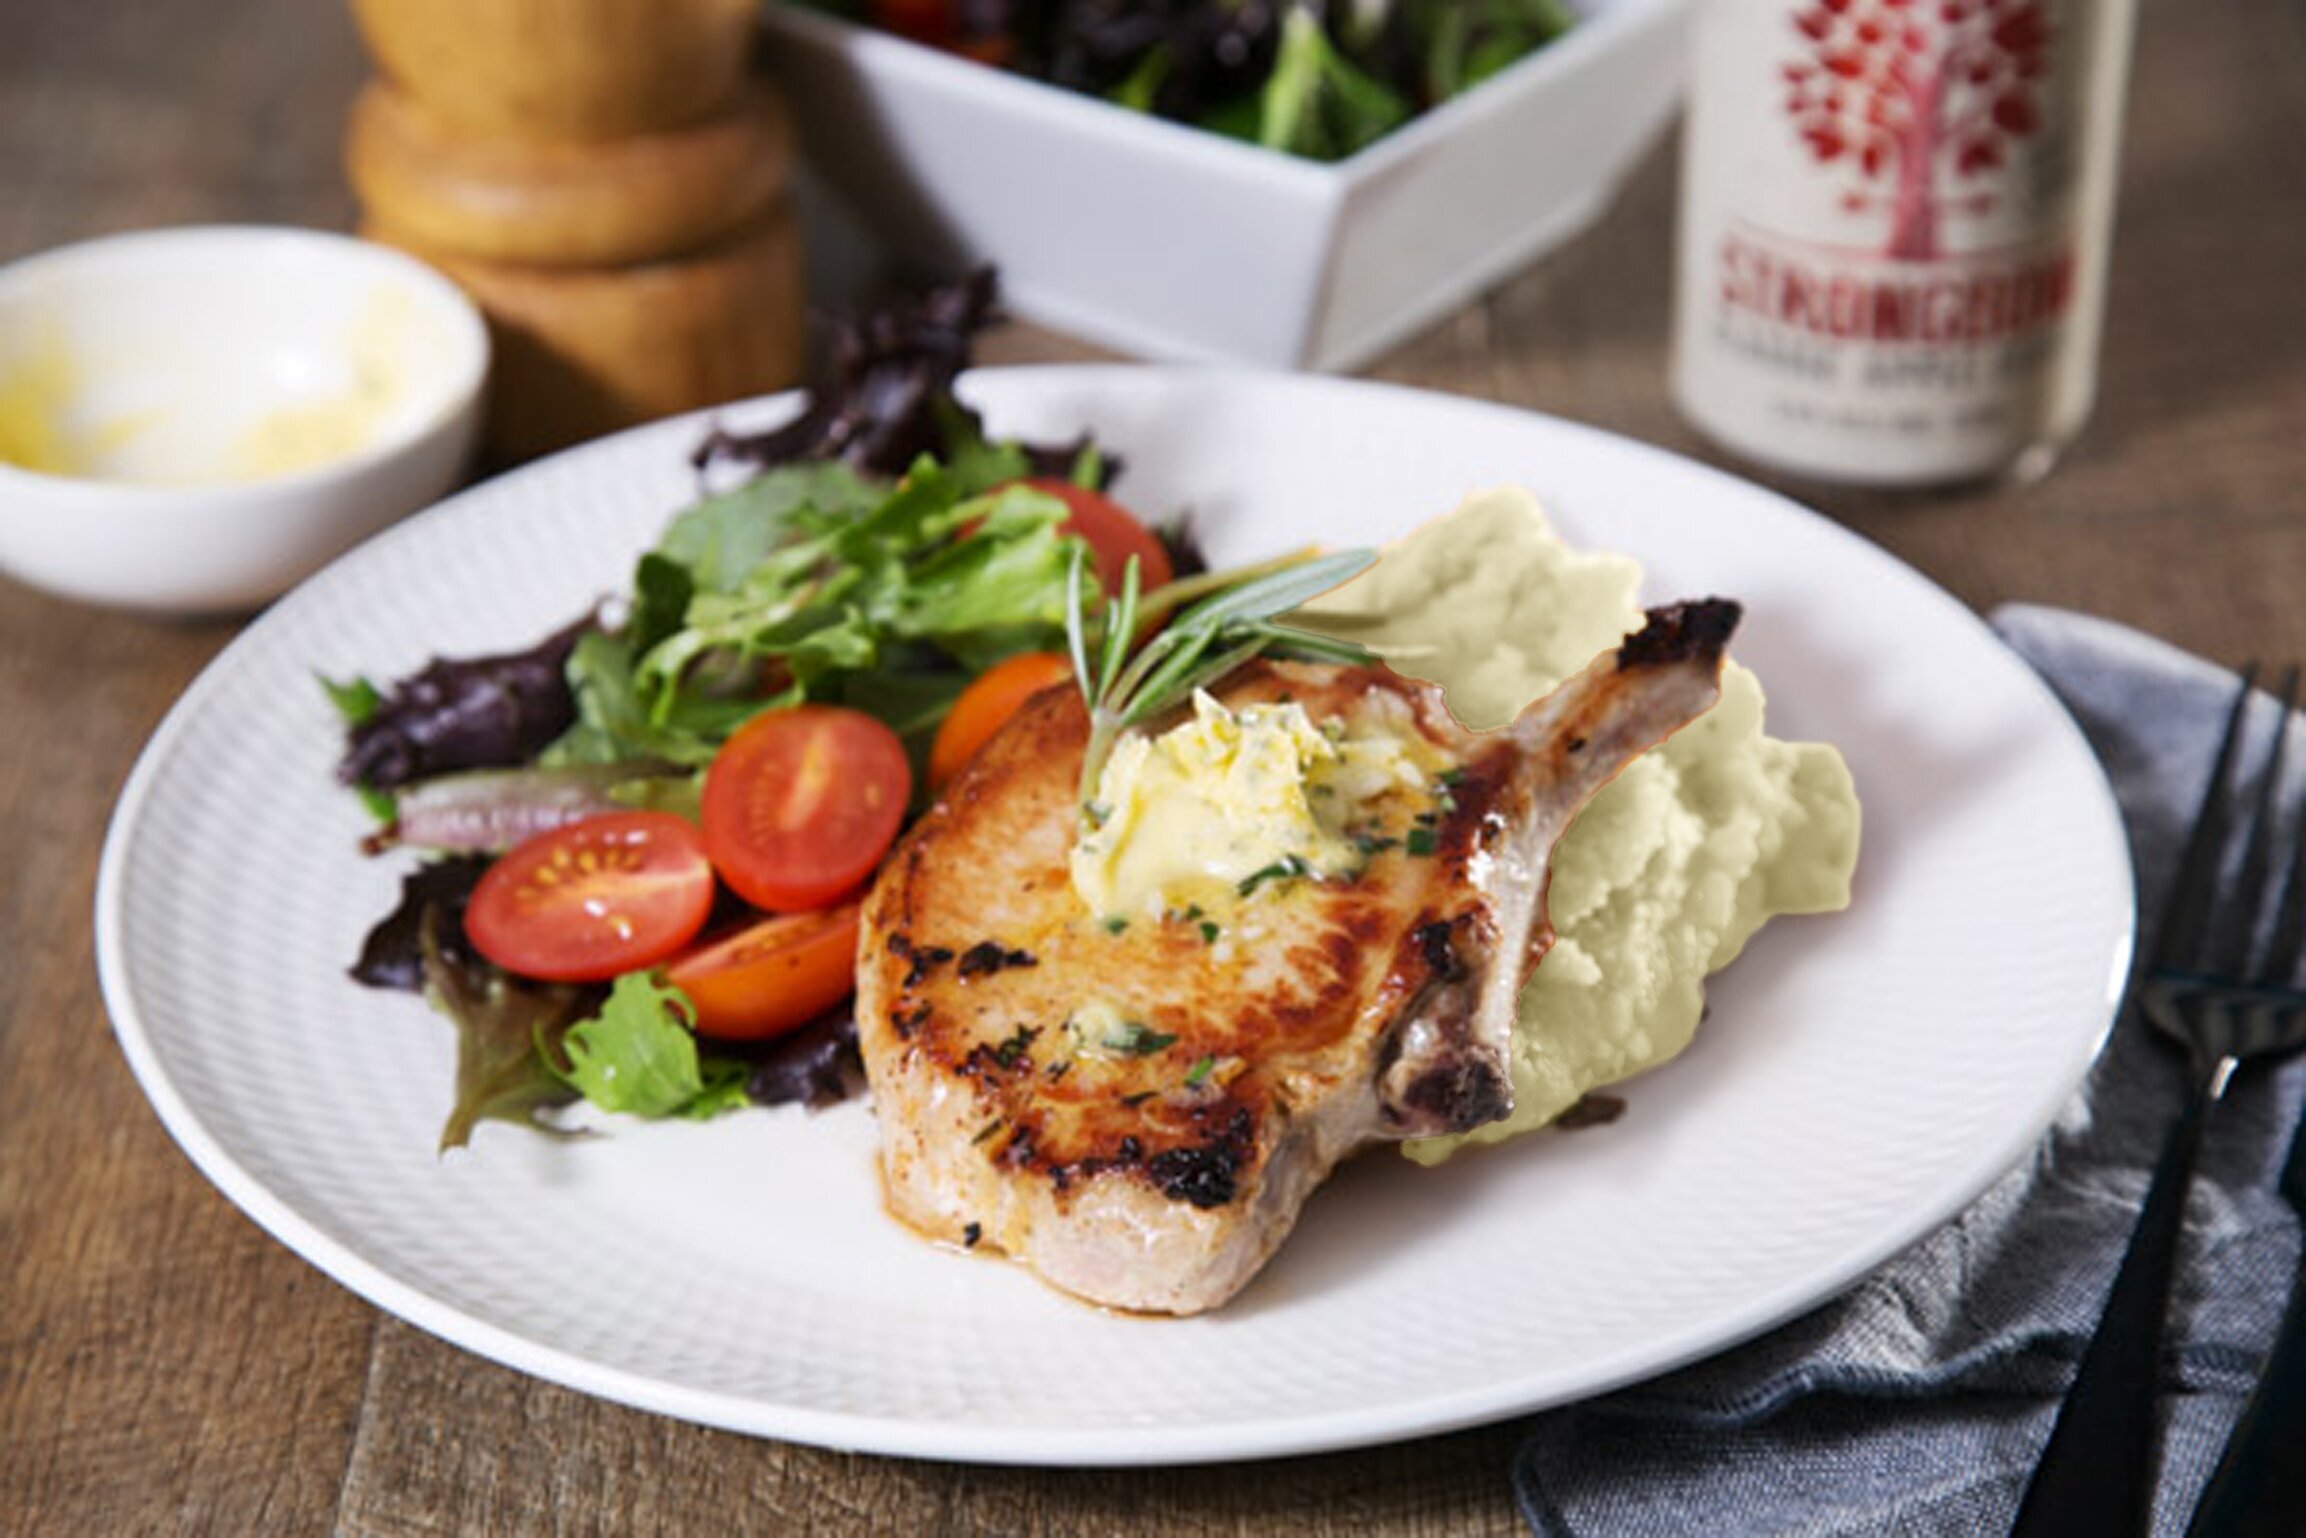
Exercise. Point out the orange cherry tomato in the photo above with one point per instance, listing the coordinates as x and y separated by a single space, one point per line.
585 901
987 703
777 974
1113 533
801 804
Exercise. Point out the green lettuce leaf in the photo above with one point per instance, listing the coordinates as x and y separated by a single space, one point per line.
722 539
1317 103
502 1025
1464 42
639 1056
616 724
815 583
356 699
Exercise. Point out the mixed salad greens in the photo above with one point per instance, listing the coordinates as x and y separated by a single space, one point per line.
648 835
1316 78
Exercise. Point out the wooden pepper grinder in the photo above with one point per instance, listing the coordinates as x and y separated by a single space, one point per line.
608 180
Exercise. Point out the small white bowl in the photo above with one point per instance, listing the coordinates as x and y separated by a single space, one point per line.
192 420
1173 242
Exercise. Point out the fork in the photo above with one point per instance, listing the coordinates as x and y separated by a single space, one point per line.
2259 1488
2218 992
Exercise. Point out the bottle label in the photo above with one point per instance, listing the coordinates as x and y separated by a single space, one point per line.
1889 211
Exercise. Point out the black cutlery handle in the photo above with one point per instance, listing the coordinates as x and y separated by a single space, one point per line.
2097 1472
2259 1489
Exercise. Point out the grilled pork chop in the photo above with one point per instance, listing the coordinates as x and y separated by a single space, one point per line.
1138 1110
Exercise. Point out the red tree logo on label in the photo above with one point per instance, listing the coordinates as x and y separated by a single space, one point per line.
1916 98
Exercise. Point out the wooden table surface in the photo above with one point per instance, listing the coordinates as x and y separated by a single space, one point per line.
165 1366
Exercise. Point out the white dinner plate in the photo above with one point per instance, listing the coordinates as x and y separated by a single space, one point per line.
1862 1076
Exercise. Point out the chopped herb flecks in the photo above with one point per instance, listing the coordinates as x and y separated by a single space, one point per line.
1289 867
1137 1039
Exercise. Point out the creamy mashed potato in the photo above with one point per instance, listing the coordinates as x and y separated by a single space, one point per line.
1675 865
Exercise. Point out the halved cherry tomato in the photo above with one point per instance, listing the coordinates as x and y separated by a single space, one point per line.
1113 533
587 900
988 702
801 804
764 980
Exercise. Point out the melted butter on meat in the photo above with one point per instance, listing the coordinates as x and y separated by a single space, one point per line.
1185 820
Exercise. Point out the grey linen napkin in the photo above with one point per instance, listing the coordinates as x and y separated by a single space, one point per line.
1918 1402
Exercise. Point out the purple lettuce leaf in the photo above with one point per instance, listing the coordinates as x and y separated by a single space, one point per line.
466 713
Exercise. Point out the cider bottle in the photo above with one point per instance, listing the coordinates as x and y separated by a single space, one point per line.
1894 227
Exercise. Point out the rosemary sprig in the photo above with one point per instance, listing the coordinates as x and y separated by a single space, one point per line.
1210 636
1165 600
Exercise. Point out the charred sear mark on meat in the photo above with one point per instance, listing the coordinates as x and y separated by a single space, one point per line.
1457 1095
1003 1058
1439 950
1696 631
989 956
1203 1174
920 960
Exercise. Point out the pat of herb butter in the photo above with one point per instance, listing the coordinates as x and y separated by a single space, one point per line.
1196 816
1674 865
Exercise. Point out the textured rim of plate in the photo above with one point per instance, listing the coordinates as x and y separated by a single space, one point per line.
1074 1447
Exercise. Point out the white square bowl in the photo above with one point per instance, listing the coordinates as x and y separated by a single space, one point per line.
1172 242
